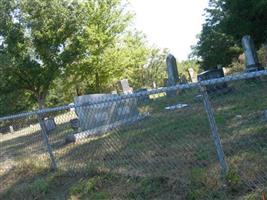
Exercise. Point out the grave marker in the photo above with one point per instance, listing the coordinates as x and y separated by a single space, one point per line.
192 75
75 124
173 76
11 129
213 74
50 124
124 87
252 61
97 118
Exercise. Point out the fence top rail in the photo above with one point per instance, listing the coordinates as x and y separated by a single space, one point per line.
101 100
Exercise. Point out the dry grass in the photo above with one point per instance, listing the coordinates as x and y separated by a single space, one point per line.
169 155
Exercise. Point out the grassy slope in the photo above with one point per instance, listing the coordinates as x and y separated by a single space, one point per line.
170 155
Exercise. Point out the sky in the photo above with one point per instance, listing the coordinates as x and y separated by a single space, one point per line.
171 24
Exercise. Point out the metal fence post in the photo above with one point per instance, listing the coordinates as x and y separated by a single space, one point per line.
46 142
214 130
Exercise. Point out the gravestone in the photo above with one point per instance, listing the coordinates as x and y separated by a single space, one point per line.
124 87
75 124
11 129
89 115
224 70
213 74
154 85
172 71
192 75
252 61
97 118
5 130
49 124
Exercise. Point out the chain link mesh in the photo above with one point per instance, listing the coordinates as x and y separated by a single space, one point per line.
160 133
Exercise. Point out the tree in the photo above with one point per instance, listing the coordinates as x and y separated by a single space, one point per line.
155 71
183 67
105 22
37 37
215 48
245 17
51 51
227 21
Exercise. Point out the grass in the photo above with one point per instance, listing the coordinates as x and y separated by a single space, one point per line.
169 155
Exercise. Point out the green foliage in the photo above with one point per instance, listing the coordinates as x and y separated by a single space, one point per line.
204 185
51 51
215 48
91 187
38 188
227 21
262 53
36 38
104 23
185 65
153 71
233 181
150 188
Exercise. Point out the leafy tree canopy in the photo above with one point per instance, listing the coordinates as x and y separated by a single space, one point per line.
227 21
36 42
53 50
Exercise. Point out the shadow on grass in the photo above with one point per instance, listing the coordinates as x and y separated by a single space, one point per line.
169 155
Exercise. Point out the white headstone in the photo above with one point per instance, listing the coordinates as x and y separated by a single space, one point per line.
154 85
11 129
192 75
96 115
124 86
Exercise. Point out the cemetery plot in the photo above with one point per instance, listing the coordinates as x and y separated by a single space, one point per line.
174 144
102 117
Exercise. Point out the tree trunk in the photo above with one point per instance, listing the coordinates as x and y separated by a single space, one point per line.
41 101
78 91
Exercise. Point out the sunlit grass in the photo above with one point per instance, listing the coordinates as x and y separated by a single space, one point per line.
169 154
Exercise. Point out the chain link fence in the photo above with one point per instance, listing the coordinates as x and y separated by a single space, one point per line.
208 138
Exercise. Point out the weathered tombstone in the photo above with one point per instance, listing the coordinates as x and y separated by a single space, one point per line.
212 74
154 85
50 124
173 76
192 75
75 124
87 116
97 118
5 129
252 61
224 70
124 87
11 129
